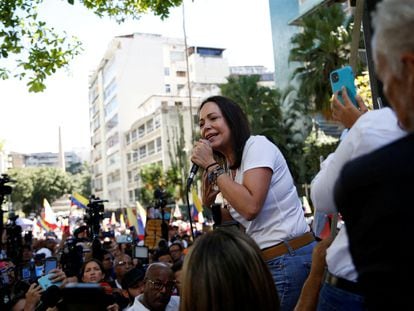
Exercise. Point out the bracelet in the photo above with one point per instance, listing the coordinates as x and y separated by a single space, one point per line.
208 166
212 176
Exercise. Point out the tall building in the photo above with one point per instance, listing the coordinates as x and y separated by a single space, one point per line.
139 76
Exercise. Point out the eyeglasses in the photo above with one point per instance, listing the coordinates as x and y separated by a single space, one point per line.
158 285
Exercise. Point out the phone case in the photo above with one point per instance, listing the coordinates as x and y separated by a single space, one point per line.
44 282
344 77
50 264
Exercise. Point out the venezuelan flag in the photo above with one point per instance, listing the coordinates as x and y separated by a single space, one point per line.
79 200
197 201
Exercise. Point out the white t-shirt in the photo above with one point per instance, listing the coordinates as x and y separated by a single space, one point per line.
282 217
173 304
372 130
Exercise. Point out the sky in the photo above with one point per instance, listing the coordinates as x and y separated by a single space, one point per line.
29 122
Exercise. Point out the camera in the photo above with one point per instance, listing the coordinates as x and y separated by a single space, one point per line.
335 77
5 189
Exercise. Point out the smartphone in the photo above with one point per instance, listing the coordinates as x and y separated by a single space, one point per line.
50 264
344 77
123 239
26 272
44 282
141 252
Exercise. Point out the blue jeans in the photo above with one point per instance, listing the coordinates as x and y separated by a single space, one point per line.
289 272
332 298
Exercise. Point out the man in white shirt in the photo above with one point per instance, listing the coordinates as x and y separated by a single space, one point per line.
371 131
159 285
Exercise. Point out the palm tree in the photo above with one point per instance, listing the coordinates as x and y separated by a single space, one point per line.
322 46
279 116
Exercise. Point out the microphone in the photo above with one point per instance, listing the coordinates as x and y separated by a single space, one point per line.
193 172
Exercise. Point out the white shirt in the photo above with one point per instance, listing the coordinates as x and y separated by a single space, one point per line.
372 130
282 216
173 304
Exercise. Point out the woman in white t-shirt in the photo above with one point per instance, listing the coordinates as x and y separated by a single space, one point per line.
253 178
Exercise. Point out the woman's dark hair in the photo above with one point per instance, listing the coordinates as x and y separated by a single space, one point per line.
82 270
237 123
235 276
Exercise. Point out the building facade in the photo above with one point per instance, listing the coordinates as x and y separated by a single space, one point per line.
140 76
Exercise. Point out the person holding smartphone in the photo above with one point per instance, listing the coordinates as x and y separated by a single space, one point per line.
368 131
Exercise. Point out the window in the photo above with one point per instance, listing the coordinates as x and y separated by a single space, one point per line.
111 106
135 156
142 152
112 140
150 126
112 123
180 87
113 159
166 71
131 195
134 135
176 56
158 143
151 148
167 88
141 131
127 139
110 89
129 176
157 121
181 74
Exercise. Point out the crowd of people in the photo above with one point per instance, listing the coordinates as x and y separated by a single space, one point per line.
263 255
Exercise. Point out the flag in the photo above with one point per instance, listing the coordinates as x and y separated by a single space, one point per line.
201 218
177 212
41 224
78 200
142 213
122 221
194 212
113 219
49 217
197 201
132 218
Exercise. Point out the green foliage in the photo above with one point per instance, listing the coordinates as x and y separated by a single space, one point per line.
279 116
153 177
317 145
34 184
322 46
37 51
81 178
134 8
179 158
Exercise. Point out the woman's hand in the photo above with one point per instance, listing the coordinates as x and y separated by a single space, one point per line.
347 113
57 275
33 295
202 153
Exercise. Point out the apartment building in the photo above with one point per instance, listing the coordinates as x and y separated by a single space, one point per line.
140 77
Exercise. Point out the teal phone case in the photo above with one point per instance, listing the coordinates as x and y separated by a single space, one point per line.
344 77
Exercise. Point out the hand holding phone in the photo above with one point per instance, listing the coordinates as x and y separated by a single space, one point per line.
344 77
46 281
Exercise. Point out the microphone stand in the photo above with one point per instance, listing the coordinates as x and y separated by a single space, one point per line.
189 210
